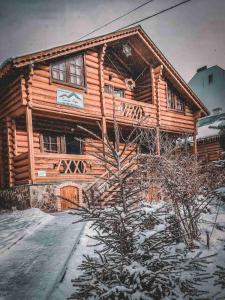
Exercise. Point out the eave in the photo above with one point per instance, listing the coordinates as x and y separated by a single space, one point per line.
55 52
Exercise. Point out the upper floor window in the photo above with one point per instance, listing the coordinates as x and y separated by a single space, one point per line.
109 89
70 71
174 100
210 78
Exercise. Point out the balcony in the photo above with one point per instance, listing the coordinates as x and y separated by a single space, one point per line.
54 167
130 111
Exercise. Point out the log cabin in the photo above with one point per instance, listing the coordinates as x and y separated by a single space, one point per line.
45 95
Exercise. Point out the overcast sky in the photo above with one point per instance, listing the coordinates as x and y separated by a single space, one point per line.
190 36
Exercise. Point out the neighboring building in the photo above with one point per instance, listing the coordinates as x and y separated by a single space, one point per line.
210 139
45 95
209 86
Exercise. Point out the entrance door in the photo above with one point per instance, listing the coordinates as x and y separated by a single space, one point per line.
70 193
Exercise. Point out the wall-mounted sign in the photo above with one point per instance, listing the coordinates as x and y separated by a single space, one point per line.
41 173
69 98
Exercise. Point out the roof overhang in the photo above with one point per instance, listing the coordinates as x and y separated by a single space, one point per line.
22 61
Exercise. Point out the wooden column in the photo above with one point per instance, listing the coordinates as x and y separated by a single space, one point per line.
157 75
195 146
29 123
157 140
102 98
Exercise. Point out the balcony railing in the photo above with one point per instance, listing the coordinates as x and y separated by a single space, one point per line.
53 166
129 110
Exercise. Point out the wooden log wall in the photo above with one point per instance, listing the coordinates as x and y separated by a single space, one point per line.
4 159
209 150
179 121
119 74
21 169
143 89
44 91
1 155
10 97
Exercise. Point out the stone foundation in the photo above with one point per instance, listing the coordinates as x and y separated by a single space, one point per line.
18 197
43 196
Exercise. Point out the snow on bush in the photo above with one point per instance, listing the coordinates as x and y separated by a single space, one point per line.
150 252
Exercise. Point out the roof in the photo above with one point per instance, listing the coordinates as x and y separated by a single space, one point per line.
210 126
24 60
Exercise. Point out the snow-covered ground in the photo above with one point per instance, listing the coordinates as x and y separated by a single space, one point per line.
14 226
42 264
32 268
85 247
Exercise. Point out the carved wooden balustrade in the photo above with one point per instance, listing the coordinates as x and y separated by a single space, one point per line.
78 165
132 111
54 166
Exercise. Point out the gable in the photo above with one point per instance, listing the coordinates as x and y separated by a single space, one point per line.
139 41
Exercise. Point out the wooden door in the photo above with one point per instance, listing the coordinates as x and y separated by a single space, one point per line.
70 193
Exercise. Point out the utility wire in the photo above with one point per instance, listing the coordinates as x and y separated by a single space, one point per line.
156 14
114 20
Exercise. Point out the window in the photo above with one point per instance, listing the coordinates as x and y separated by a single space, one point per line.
174 100
210 78
73 146
53 143
116 91
70 71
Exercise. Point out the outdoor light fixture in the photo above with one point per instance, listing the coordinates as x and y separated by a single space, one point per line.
127 50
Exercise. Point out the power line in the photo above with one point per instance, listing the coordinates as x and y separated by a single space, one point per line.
114 20
156 14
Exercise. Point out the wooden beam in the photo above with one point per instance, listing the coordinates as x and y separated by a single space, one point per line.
122 62
195 148
139 54
197 115
29 124
102 92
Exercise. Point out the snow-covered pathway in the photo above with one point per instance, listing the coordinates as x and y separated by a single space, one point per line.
34 266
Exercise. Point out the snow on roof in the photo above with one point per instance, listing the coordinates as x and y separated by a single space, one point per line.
206 131
210 126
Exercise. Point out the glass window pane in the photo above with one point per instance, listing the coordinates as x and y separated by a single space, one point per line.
61 76
73 79
72 69
55 74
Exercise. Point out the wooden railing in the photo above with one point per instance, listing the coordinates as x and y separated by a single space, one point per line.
75 165
130 111
54 166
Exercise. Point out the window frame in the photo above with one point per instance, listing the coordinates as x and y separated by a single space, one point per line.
177 99
60 142
111 90
67 72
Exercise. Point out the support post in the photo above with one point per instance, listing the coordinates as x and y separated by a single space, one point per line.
195 146
157 140
102 98
195 149
29 124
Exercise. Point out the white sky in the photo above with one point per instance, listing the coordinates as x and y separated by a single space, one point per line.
190 36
